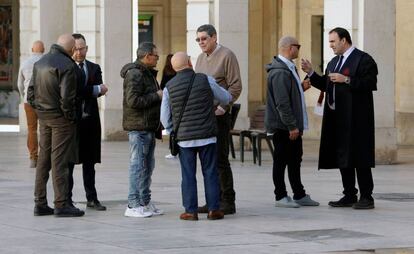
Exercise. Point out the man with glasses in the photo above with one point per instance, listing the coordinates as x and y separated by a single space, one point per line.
286 119
89 125
221 63
141 118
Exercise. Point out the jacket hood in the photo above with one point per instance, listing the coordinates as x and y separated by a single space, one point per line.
276 64
139 65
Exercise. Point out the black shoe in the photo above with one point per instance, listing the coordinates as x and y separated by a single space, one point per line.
345 201
202 209
95 204
41 210
68 211
228 208
364 203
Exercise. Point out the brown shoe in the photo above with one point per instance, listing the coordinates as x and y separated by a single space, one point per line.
215 215
189 216
202 209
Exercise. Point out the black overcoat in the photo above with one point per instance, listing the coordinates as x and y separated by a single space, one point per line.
89 127
348 132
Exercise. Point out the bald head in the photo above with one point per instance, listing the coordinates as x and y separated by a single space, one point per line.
38 47
180 61
67 42
289 47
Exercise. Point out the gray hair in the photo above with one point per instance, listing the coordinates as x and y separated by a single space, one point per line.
144 49
209 29
286 41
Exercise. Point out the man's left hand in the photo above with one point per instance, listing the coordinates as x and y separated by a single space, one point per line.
337 77
220 111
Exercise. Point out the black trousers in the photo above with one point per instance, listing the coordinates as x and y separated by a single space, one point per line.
228 195
88 171
287 153
365 181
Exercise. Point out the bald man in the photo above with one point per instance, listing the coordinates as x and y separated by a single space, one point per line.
286 119
52 93
23 80
193 121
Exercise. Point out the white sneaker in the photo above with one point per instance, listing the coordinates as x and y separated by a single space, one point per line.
150 207
287 202
137 212
170 156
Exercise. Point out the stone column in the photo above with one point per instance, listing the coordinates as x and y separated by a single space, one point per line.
116 51
199 12
232 33
374 34
86 20
41 20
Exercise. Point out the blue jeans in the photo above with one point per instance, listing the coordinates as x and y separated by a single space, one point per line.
141 150
188 161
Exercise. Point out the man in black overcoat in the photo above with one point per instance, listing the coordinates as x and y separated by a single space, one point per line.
89 126
348 131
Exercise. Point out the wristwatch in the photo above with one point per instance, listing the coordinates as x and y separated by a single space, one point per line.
347 80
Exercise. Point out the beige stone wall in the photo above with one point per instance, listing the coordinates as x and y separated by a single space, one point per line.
403 71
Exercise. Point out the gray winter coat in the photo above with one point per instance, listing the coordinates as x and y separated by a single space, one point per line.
284 105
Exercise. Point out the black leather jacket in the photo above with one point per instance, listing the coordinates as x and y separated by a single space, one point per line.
141 103
52 90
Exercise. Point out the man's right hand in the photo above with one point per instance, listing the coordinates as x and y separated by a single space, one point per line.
104 89
294 134
306 66
159 92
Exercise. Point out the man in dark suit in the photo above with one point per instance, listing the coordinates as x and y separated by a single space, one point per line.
348 128
89 126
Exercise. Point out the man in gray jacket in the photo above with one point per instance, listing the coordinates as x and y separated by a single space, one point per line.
286 119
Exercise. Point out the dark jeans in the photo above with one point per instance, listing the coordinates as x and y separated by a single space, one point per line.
55 146
88 171
188 161
287 153
228 195
365 181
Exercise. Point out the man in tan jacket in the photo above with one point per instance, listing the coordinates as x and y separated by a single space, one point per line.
221 63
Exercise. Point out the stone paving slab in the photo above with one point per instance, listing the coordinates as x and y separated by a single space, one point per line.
257 227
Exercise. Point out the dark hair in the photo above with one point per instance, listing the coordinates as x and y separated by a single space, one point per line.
79 36
168 69
144 49
342 33
207 28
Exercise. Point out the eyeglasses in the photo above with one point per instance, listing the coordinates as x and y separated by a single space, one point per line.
79 49
296 45
202 38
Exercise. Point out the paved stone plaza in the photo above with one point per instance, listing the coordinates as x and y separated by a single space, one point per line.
257 227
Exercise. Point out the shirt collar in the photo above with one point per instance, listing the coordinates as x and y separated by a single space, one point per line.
288 62
348 52
218 46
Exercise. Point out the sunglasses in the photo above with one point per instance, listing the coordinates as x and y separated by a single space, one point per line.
202 38
296 45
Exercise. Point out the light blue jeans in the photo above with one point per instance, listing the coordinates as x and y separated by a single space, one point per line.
141 150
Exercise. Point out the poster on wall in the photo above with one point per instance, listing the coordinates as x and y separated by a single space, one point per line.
6 47
145 27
